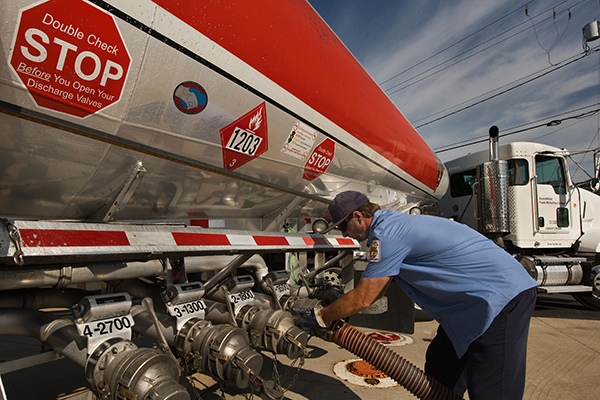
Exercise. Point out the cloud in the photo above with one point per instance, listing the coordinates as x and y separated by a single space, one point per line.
498 45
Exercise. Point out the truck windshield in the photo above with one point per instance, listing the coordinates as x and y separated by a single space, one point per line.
549 171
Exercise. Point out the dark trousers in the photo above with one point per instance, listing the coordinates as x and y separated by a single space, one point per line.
494 365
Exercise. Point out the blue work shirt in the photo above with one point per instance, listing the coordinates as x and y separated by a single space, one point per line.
458 276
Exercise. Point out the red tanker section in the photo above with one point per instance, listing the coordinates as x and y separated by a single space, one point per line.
179 157
290 44
245 113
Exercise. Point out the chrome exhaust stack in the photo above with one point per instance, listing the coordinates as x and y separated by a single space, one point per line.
492 193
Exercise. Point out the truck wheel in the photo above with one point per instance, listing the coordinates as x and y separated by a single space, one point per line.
591 299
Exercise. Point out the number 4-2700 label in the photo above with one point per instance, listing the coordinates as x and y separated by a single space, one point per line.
244 142
98 331
106 326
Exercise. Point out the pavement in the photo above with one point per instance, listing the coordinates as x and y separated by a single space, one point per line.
563 363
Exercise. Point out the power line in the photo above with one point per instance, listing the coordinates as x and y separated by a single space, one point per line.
455 43
502 92
448 66
472 48
558 35
459 55
552 122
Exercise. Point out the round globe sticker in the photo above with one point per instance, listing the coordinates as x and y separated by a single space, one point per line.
190 98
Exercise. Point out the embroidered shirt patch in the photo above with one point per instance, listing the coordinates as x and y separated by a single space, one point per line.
375 251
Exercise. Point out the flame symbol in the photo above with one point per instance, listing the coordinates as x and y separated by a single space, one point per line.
255 122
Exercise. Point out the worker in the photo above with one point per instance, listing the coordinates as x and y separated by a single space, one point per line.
481 296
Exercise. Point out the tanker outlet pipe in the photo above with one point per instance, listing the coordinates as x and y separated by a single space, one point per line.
273 330
391 363
36 299
119 370
59 333
222 351
116 369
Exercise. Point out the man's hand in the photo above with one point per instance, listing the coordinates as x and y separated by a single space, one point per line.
310 318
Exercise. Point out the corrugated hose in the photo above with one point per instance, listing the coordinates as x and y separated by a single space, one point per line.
389 362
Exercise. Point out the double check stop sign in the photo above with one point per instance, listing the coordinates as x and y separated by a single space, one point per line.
70 56
319 160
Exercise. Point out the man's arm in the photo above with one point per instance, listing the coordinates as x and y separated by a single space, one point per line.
366 292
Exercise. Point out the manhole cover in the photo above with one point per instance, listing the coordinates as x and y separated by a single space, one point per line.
361 373
390 338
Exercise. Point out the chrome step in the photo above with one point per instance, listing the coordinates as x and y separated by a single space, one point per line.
550 260
564 289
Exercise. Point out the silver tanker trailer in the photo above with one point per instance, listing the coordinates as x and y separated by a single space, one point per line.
165 169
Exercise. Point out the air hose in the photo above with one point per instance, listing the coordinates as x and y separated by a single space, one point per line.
389 362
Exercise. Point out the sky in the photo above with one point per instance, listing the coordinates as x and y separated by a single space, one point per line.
456 67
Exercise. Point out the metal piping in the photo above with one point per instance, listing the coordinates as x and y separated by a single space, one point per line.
221 350
493 143
228 269
139 289
61 277
35 299
11 278
59 333
327 265
120 363
144 324
216 263
271 329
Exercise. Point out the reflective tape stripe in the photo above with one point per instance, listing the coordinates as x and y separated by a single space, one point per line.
271 241
200 239
72 238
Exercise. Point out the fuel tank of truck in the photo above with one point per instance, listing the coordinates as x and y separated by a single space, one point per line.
170 110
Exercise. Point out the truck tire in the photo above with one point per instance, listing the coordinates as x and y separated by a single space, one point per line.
591 299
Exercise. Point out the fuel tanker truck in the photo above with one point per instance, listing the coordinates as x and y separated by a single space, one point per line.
521 195
165 170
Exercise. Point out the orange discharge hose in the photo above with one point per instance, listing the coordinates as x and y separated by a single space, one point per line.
391 363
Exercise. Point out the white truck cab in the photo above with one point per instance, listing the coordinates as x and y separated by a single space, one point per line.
521 195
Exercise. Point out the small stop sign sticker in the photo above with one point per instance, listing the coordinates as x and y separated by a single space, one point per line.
319 160
70 56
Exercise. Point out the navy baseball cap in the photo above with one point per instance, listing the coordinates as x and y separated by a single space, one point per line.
343 205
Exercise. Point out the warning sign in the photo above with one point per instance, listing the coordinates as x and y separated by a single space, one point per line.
70 56
300 140
319 160
245 138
